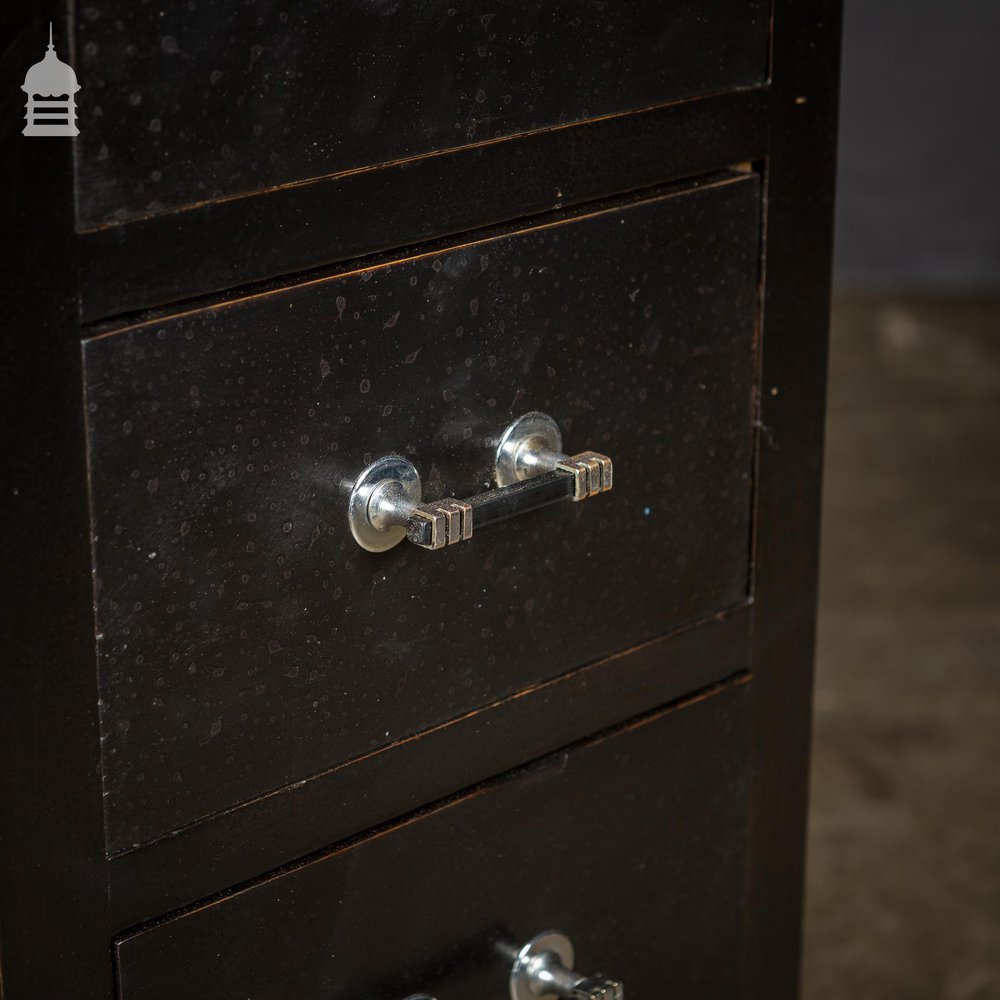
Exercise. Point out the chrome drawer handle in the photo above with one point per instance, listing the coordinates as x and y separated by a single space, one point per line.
531 471
543 970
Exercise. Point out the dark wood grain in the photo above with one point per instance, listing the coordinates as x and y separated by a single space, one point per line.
248 642
633 844
186 103
224 244
306 817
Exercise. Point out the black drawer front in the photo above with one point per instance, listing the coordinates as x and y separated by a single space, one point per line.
246 642
633 845
181 105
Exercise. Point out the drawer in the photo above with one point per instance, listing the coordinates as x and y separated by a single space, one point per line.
633 845
181 105
246 641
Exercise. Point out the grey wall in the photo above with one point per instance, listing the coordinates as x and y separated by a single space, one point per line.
919 181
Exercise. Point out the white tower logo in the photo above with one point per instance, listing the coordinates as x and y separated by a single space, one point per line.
51 86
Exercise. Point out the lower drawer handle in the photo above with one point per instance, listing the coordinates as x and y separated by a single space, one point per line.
531 471
543 970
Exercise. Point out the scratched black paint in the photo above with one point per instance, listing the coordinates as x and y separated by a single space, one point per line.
183 103
247 642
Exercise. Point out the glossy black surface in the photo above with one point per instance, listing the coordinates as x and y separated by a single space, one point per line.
183 103
246 641
633 844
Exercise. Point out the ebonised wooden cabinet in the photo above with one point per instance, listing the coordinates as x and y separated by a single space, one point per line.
242 755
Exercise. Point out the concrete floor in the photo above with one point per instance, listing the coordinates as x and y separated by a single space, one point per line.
903 897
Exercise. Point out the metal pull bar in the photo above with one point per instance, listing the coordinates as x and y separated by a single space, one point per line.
543 969
531 472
